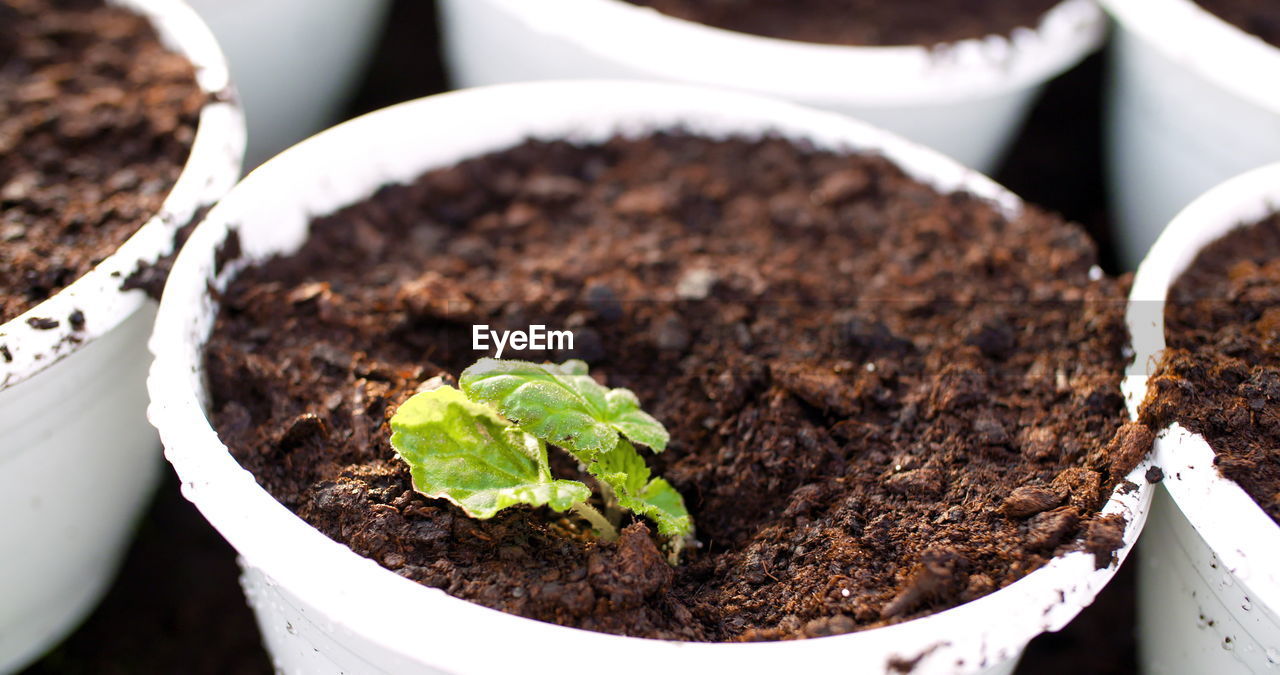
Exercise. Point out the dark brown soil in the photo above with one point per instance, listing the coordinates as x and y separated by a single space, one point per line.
1220 376
1260 17
883 401
862 22
96 122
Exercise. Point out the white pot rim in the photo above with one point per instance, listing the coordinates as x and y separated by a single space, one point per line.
397 613
210 170
1217 50
674 49
1241 534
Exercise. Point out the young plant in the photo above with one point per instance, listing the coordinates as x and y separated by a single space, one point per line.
484 447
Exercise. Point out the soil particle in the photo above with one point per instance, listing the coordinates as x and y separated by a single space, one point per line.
844 447
860 22
1051 528
151 277
1259 17
1130 445
939 573
227 252
632 573
1220 376
1155 475
1028 501
96 122
1105 535
1083 488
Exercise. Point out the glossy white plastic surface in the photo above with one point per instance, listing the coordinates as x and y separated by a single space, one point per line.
966 99
1209 599
293 61
77 458
325 609
1193 102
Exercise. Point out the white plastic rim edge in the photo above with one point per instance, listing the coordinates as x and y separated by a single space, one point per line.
669 48
397 144
211 169
1218 51
1244 537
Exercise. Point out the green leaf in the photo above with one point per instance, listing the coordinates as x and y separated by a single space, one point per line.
664 506
624 470
464 452
563 405
623 409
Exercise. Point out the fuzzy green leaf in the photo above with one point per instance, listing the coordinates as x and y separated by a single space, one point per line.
464 452
624 470
664 506
563 405
626 416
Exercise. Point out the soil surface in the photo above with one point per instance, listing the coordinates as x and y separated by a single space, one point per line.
862 22
96 122
883 401
1260 17
1220 376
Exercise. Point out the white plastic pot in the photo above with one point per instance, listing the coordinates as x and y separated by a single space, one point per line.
966 99
1194 101
324 609
294 61
77 458
1209 585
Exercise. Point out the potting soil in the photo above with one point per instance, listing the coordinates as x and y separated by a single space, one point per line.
1220 376
96 121
883 401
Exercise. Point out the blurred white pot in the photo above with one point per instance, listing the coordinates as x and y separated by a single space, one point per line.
324 609
293 61
1193 102
77 458
966 99
1209 585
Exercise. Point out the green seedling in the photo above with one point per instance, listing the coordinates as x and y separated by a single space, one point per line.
484 447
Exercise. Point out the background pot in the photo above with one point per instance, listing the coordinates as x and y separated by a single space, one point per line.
1194 101
293 61
1209 584
966 99
77 458
323 608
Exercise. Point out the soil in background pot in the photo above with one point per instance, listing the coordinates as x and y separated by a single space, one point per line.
96 123
1259 17
1220 376
883 401
861 22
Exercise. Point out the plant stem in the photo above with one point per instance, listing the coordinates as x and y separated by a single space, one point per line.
604 529
612 510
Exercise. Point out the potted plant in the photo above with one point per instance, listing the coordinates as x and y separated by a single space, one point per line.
1192 104
289 88
1209 587
87 165
322 607
966 97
